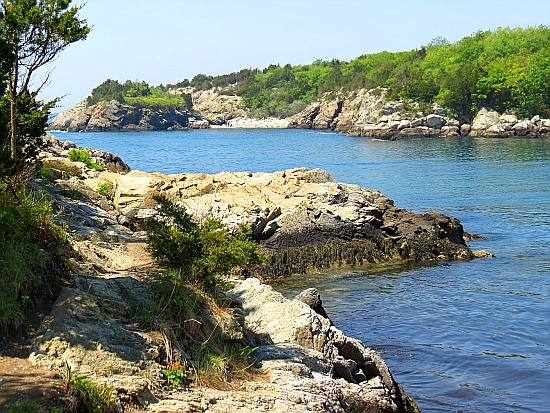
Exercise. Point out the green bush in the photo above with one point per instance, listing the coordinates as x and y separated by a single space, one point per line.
80 155
33 248
176 376
105 189
200 252
46 174
83 155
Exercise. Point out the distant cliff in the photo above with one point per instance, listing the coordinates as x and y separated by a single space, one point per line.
115 116
370 113
358 113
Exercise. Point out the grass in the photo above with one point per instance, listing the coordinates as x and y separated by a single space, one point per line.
189 317
85 396
32 257
69 170
222 369
28 406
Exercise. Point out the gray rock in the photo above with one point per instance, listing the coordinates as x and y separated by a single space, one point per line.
434 121
115 116
312 298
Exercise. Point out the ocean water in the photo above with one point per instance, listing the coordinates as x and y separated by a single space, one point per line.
459 336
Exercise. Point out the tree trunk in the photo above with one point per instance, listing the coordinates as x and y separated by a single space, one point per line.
13 123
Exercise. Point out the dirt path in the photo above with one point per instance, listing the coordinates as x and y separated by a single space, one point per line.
20 380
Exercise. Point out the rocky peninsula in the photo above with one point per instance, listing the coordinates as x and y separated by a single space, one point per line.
304 219
359 113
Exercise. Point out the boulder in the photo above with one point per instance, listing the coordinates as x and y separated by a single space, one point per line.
523 128
312 298
508 118
483 121
306 349
434 121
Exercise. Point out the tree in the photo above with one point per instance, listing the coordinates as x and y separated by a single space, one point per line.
36 31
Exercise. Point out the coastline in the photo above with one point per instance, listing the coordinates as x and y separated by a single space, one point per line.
307 364
359 113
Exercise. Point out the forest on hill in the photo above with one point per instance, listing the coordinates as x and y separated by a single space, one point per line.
507 69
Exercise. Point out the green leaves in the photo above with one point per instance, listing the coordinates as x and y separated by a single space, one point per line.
32 34
200 252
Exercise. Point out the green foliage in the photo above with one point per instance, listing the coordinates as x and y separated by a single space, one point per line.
32 117
83 395
83 155
195 255
80 155
29 406
199 252
31 257
176 376
35 32
139 94
506 69
105 189
46 174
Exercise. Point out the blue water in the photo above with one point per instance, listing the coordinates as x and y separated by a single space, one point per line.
460 336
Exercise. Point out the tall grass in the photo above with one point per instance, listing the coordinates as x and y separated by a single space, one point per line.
32 250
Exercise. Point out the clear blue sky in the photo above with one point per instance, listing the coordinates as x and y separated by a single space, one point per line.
166 41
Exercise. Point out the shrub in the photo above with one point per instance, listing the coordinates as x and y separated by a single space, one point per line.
46 174
80 155
105 189
200 252
32 254
83 155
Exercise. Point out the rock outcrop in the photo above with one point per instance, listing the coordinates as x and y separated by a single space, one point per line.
304 218
60 149
305 363
357 113
217 108
368 113
491 124
116 116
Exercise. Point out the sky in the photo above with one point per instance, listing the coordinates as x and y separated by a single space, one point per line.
166 41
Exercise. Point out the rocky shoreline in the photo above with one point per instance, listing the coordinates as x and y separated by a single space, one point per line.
304 218
368 113
304 362
359 113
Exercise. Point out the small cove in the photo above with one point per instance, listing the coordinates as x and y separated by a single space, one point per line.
460 337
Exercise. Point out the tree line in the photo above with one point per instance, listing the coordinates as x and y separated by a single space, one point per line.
505 69
140 94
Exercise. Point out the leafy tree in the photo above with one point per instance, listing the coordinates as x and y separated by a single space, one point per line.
506 69
31 118
108 90
37 31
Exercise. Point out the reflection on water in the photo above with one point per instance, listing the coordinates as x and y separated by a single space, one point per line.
460 337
